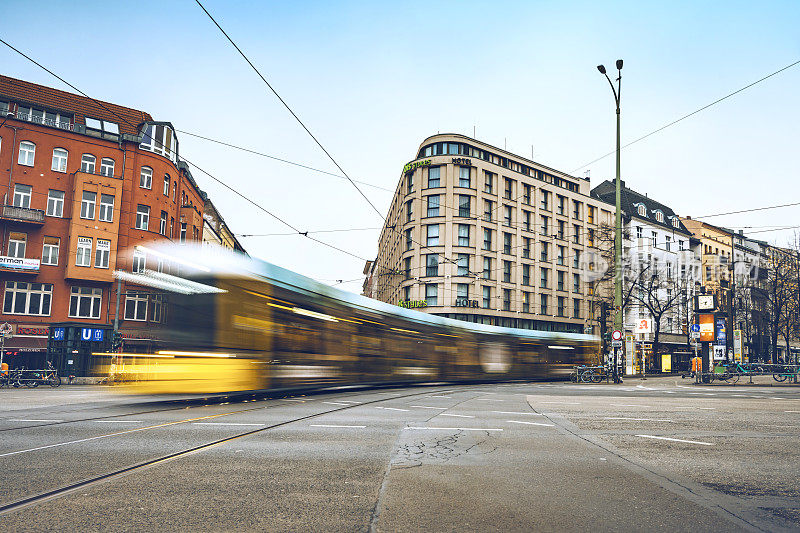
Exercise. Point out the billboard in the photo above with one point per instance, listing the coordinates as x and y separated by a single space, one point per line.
706 327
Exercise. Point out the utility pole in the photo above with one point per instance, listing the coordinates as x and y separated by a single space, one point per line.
618 314
731 301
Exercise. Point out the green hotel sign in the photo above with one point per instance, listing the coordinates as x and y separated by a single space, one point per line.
417 164
410 304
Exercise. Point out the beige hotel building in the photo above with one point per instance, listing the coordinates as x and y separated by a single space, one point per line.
479 234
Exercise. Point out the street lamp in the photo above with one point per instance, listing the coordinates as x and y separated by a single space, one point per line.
618 218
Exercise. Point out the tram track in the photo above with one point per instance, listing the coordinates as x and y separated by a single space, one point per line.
114 474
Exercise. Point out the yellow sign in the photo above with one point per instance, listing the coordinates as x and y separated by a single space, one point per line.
666 362
706 328
737 345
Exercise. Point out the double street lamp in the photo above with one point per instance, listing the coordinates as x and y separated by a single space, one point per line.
618 318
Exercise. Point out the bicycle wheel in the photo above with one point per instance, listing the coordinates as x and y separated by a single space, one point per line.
587 376
597 377
733 379
779 377
55 381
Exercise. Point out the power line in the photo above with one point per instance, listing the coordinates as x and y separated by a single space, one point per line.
309 231
689 115
749 210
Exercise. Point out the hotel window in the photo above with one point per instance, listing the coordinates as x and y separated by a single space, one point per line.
507 243
142 217
576 234
432 265
561 227
159 139
409 239
452 148
101 128
560 280
146 178
22 195
50 251
544 226
139 262
507 271
406 293
174 190
561 305
642 210
106 211
545 253
487 210
576 283
526 274
463 234
506 299
59 160
560 255
55 203
590 236
526 302
136 306
162 223
23 298
407 267
102 253
433 205
508 215
576 209
463 177
433 235
681 245
545 202
409 211
487 297
464 205
526 194
166 185
542 304
107 167
182 237
561 201
590 214
88 202
434 178
409 182
83 254
545 275
85 302
431 294
462 265
462 291
88 163
487 239
527 220
488 184
576 258
508 190
675 222
526 247
16 244
27 153
659 217
487 268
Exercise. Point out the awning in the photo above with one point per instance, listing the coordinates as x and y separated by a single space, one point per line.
26 344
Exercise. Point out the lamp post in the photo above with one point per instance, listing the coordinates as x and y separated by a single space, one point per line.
618 317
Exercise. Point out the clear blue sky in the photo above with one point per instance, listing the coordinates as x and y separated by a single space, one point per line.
373 79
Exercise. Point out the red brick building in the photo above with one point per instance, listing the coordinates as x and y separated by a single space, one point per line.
83 183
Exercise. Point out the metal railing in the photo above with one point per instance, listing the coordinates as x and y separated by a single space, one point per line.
25 214
29 117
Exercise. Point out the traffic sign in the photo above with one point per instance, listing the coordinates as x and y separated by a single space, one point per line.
616 335
695 334
695 328
5 329
616 344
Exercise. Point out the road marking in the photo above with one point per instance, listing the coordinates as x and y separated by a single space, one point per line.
224 424
349 401
32 420
516 413
291 400
706 408
428 407
459 416
391 408
455 429
529 423
439 396
489 400
626 405
677 440
564 403
334 426
639 419
336 403
119 421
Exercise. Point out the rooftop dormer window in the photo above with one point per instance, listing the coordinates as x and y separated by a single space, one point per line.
641 209
159 139
659 217
40 116
102 128
675 222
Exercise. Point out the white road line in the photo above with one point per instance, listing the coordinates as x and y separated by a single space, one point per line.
32 420
516 413
350 401
459 416
439 396
626 405
564 403
677 440
336 403
291 400
489 400
391 408
455 429
706 408
119 421
529 423
428 407
638 419
334 426
223 424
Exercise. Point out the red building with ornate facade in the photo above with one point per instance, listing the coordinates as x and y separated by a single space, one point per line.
83 184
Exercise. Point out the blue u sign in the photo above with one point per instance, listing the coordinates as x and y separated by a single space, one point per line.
97 335
92 334
86 334
58 334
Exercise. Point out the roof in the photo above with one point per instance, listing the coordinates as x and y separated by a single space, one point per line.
631 199
34 94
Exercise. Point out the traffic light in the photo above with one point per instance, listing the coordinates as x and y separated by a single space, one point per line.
116 341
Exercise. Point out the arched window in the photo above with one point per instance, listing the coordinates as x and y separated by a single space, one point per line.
675 222
642 210
27 152
659 217
146 178
107 167
60 160
87 163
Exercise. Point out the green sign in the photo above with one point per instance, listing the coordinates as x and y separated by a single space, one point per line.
409 304
417 164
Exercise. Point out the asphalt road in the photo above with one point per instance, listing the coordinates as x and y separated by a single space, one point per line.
655 454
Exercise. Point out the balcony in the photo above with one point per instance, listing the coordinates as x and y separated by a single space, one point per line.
19 265
62 123
22 214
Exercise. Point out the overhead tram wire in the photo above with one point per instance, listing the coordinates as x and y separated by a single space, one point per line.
749 210
684 117
236 192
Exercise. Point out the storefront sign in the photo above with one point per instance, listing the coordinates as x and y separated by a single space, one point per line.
417 164
463 302
409 304
462 161
33 331
19 263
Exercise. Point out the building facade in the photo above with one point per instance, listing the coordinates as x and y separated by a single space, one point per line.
480 234
216 230
87 186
